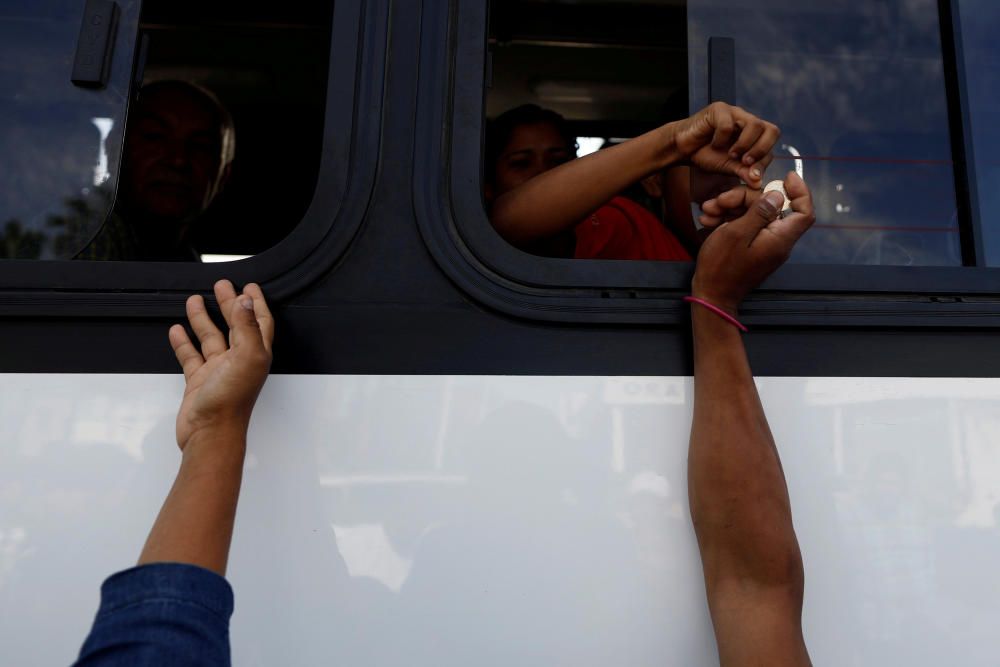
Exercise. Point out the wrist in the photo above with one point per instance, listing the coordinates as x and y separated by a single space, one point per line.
728 304
667 154
221 445
711 331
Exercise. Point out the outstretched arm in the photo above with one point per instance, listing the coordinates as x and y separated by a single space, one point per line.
174 607
720 138
739 501
223 379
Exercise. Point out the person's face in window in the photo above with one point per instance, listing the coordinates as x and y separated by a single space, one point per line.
530 151
173 154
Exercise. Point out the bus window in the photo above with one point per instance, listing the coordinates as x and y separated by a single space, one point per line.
60 139
980 22
222 151
858 90
588 75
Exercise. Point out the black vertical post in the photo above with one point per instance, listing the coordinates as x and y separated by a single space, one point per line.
721 70
960 127
721 88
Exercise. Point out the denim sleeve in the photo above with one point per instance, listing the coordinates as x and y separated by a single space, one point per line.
164 614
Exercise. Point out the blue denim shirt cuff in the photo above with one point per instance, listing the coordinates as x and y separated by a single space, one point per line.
170 581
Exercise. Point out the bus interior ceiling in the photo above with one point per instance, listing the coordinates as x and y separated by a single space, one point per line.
267 63
612 69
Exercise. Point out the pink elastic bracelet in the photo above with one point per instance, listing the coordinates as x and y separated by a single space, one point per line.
718 311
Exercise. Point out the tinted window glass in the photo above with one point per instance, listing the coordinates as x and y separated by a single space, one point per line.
60 142
858 90
980 25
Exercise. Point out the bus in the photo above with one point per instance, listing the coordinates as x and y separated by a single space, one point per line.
467 453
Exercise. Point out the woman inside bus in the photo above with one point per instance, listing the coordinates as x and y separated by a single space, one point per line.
544 201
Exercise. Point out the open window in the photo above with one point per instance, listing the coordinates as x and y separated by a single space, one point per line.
872 101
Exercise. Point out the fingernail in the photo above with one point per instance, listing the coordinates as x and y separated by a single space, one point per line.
772 201
747 160
246 302
755 172
734 155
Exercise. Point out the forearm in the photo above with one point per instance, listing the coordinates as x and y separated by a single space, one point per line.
557 200
739 500
677 202
195 524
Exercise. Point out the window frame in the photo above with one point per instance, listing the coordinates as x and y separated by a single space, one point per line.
454 74
343 188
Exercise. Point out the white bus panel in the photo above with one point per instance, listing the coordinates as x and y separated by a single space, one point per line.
486 520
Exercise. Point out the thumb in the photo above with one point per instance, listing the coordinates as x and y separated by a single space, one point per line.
243 323
760 215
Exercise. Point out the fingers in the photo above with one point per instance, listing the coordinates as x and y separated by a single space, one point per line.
728 206
211 339
760 215
793 226
705 185
752 130
224 294
752 149
739 198
712 220
187 354
721 118
262 313
727 139
247 316
754 174
798 193
763 143
245 332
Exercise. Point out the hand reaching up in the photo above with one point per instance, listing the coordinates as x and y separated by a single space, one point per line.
740 253
225 376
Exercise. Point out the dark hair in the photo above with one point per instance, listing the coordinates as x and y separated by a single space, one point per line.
498 132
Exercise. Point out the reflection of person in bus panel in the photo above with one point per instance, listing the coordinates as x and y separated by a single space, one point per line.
178 153
542 200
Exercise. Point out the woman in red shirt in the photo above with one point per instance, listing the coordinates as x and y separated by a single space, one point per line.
544 201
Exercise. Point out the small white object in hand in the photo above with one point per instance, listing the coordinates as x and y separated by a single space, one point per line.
779 186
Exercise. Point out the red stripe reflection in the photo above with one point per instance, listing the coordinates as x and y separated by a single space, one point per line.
870 160
880 228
